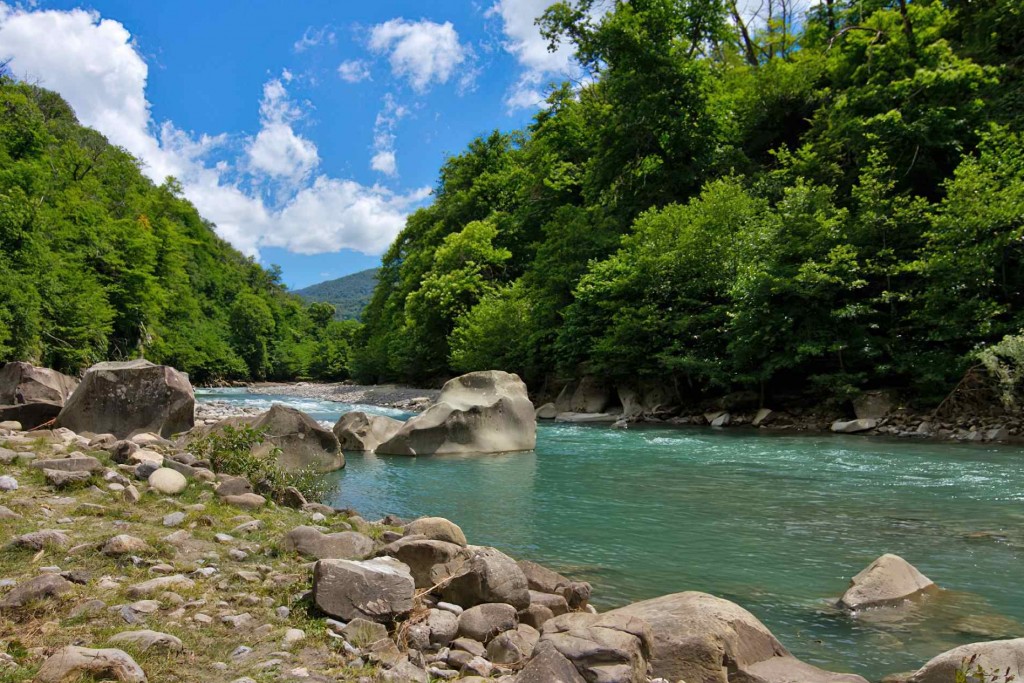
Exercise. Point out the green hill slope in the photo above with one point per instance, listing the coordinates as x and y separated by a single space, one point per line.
349 294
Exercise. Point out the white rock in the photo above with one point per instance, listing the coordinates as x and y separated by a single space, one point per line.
168 481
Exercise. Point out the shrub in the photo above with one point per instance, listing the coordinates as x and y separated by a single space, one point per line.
235 451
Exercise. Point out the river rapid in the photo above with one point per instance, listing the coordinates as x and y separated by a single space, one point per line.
777 523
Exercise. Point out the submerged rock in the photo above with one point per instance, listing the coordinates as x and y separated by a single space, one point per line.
887 581
482 412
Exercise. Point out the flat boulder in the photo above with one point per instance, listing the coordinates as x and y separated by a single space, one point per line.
359 431
72 663
487 575
699 637
1005 657
34 384
888 580
302 442
128 398
344 545
377 590
854 426
481 412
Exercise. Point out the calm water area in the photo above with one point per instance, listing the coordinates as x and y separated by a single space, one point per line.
775 522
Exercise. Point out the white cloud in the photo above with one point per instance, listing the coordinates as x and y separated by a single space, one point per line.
313 37
384 160
354 71
524 41
422 52
93 63
277 150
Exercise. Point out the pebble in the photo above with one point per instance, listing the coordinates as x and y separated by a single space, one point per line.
283 613
240 651
223 538
201 618
237 555
293 636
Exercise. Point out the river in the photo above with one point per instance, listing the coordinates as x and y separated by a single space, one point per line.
777 523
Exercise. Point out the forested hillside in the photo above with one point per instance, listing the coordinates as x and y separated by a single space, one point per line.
349 294
98 263
801 205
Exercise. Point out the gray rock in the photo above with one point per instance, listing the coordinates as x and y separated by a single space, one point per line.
548 665
473 647
694 635
234 486
535 616
310 542
8 483
60 479
888 580
358 431
482 412
874 405
363 633
167 481
124 544
603 647
42 586
436 529
144 640
73 662
488 575
34 384
131 397
246 501
429 562
555 603
173 519
854 426
513 647
548 411
378 590
1003 656
160 584
76 463
483 622
46 538
444 627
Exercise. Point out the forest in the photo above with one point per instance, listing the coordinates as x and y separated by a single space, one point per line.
800 204
98 263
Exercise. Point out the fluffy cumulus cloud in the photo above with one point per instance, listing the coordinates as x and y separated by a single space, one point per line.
423 52
277 150
523 40
94 64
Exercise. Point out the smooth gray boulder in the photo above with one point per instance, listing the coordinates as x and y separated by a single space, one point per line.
888 580
482 412
378 590
701 639
487 575
1005 657
344 545
128 398
483 622
34 384
854 426
303 443
548 411
358 431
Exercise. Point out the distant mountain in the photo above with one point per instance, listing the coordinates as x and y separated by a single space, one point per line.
349 294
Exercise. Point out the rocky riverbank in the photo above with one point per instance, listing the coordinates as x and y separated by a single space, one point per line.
383 395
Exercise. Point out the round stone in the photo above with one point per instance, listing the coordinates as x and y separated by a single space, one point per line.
167 481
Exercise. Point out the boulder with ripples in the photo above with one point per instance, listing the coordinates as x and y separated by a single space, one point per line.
482 412
301 441
359 431
889 580
1002 657
700 638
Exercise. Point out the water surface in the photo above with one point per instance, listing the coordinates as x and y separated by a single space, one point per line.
777 523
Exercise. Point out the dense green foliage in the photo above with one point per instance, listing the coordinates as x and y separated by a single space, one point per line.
349 294
804 206
98 263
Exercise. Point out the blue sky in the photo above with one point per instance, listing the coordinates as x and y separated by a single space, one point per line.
306 130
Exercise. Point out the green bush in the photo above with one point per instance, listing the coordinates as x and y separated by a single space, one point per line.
235 451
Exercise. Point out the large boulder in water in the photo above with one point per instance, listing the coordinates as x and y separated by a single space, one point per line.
358 431
303 443
699 638
128 398
888 580
482 412
1004 657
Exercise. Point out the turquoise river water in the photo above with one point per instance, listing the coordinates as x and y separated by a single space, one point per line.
777 523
